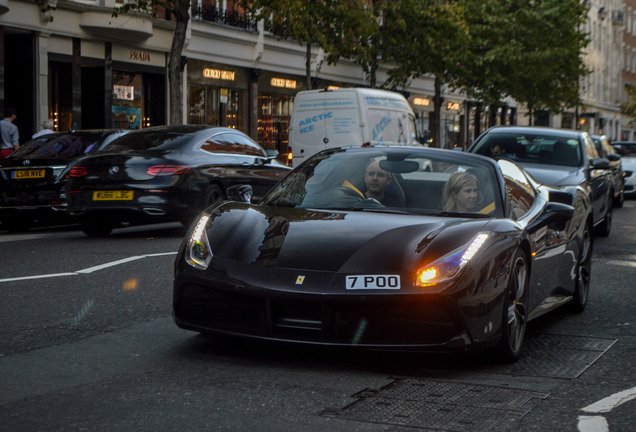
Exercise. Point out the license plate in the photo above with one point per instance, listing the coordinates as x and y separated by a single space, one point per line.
116 195
373 282
28 174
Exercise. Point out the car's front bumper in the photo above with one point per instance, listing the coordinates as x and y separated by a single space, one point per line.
415 322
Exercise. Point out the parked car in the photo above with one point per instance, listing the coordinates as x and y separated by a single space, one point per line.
556 157
605 150
166 173
318 262
31 178
627 150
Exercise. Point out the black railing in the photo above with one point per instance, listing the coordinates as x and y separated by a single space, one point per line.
210 13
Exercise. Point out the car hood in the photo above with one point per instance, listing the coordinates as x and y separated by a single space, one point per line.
334 241
555 175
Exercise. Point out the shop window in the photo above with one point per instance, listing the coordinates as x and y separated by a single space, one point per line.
214 106
127 110
274 113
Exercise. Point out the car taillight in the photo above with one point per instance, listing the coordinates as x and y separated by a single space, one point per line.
78 171
290 156
157 170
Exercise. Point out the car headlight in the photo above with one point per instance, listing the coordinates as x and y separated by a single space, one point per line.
447 267
198 251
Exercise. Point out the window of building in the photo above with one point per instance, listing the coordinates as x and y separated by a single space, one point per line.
274 113
128 102
214 106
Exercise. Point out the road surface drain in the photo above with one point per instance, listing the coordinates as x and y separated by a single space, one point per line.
554 356
437 405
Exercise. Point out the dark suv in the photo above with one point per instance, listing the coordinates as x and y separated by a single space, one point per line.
556 157
605 150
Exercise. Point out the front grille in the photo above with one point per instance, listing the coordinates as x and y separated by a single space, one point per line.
379 323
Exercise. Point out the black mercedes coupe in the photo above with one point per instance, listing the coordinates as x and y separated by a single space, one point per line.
320 261
166 173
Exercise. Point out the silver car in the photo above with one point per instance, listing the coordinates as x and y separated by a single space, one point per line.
627 150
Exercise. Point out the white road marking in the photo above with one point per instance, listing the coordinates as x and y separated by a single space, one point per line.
89 269
609 403
622 263
20 237
598 423
593 424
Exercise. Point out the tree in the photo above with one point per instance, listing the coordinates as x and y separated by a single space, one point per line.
629 108
531 51
179 9
298 20
428 37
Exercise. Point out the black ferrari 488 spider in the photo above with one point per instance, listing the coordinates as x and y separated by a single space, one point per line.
388 248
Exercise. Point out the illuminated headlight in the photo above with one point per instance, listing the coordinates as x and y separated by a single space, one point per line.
198 252
446 267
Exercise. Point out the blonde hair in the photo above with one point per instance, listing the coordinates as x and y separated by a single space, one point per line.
454 184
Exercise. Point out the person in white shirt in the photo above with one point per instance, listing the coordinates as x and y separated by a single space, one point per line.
47 128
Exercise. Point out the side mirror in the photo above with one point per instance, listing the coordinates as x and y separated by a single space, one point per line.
271 153
600 163
241 193
555 212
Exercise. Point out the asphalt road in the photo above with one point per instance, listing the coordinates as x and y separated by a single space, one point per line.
88 344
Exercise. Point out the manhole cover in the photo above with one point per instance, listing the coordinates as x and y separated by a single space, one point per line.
554 356
437 405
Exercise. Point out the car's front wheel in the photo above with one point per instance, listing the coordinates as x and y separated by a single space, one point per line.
515 310
584 270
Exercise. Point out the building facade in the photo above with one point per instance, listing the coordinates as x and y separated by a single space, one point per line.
72 61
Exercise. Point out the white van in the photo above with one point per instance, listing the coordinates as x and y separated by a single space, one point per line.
345 117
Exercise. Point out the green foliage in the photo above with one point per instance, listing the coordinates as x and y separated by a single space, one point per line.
629 108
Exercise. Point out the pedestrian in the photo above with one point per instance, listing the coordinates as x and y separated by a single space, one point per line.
47 128
9 134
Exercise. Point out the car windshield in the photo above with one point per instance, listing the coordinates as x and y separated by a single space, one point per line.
535 148
391 180
58 146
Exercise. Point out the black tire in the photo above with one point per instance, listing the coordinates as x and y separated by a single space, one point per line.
605 227
95 228
213 195
515 310
619 200
584 271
